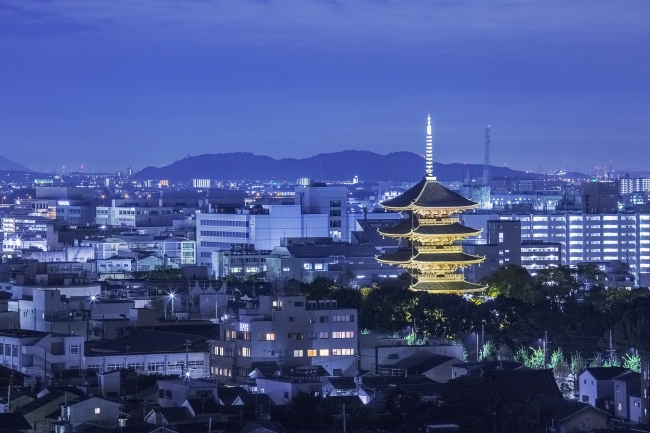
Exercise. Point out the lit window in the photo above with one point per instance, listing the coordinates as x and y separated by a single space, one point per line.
97 410
312 352
324 352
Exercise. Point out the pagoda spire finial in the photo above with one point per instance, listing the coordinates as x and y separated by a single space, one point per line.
428 156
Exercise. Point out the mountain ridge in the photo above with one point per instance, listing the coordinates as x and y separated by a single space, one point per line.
335 166
7 164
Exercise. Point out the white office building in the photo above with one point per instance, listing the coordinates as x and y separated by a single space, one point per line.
328 200
586 237
261 227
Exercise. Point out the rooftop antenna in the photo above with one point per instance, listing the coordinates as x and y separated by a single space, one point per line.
486 163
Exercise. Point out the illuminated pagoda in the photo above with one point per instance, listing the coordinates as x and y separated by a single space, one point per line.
430 237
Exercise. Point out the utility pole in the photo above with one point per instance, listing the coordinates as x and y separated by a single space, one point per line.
344 424
545 346
611 348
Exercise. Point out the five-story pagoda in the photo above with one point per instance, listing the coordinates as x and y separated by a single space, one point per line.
430 237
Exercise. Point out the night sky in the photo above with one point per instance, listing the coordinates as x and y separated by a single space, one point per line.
111 84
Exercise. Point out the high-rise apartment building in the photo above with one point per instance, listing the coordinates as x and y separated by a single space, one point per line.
587 237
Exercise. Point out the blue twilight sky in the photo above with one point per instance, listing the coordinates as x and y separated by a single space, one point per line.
108 84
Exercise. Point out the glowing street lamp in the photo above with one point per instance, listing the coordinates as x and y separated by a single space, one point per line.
171 298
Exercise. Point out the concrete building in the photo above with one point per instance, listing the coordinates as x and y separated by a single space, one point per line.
68 254
152 352
73 204
152 211
240 263
287 330
599 197
261 227
41 354
327 200
504 246
586 237
347 264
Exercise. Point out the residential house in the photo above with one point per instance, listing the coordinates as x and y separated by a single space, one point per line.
14 422
282 390
169 416
566 416
435 367
174 393
88 410
340 386
596 386
48 401
627 402
479 368
517 386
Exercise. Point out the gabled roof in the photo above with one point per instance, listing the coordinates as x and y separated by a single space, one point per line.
517 386
228 395
560 409
428 193
203 405
262 427
605 373
342 382
473 368
422 362
174 414
14 421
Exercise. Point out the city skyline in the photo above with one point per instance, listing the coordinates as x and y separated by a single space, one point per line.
149 83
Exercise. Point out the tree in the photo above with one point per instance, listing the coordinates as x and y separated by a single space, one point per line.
512 281
558 363
577 366
633 330
488 351
385 308
632 362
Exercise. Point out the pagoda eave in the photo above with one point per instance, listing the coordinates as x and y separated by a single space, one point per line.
449 287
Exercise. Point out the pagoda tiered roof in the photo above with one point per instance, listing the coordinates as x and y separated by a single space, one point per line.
433 232
403 256
405 229
460 286
428 193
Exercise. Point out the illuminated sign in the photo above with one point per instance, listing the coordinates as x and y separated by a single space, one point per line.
243 327
63 203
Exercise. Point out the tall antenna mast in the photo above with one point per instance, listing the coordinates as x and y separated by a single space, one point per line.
486 163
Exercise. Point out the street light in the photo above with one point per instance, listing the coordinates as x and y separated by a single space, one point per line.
171 298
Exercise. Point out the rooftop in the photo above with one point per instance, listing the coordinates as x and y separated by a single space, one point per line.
428 193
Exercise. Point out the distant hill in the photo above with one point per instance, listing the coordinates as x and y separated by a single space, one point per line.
369 166
6 164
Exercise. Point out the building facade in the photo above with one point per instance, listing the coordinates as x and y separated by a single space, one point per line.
287 330
261 227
